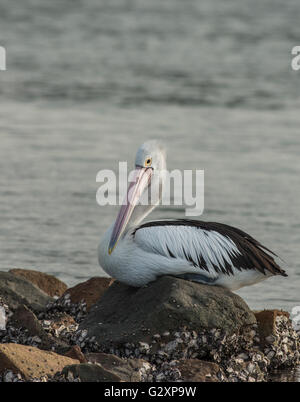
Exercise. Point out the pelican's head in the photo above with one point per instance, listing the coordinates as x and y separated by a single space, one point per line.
151 154
145 188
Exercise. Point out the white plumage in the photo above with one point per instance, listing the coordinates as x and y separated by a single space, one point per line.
205 252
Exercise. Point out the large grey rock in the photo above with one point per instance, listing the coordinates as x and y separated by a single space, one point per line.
17 291
127 314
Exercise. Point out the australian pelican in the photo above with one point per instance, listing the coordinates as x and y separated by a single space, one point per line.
137 253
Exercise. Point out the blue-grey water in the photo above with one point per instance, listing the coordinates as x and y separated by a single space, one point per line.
88 81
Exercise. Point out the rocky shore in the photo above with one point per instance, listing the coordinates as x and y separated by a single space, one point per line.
171 330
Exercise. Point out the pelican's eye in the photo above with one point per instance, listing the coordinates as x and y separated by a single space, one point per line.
148 162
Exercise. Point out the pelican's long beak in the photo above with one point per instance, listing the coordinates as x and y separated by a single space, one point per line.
141 180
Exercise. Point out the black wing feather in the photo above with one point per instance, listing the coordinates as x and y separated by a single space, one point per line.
253 255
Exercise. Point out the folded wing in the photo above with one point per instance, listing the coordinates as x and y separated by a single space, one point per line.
212 247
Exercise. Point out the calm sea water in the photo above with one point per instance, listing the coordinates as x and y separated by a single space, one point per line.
88 81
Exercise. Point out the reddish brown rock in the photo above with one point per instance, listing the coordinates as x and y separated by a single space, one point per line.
47 283
90 291
198 370
76 353
31 362
266 321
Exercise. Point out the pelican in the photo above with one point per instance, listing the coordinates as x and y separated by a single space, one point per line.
137 253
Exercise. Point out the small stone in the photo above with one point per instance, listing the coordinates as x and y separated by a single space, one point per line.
270 339
9 376
251 367
160 377
144 347
243 356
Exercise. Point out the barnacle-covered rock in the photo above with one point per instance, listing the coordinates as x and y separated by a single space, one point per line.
126 314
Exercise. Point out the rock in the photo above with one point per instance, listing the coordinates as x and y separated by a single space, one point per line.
278 339
90 373
90 291
126 314
17 291
31 362
76 353
128 370
266 321
24 318
62 321
238 370
196 370
47 283
63 304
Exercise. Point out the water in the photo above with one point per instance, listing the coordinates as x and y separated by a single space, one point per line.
88 81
